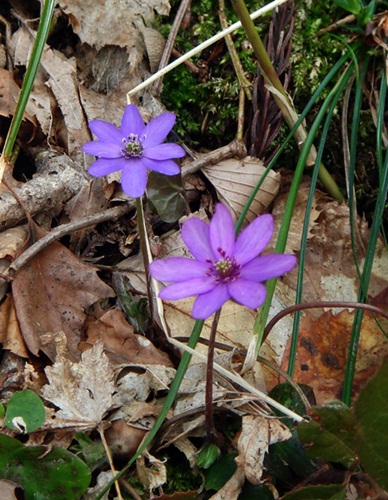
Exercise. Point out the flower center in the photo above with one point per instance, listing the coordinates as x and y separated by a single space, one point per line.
132 146
224 269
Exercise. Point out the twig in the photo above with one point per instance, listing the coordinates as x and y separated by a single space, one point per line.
320 304
243 80
63 230
235 148
109 455
202 46
209 415
157 86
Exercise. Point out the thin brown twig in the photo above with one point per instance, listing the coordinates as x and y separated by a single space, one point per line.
157 86
209 415
63 230
317 305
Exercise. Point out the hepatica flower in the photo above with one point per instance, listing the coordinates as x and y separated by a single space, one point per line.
223 267
134 148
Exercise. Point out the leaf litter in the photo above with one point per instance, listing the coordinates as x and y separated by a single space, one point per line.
83 356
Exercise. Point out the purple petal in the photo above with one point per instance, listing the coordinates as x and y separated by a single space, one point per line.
106 132
247 293
267 267
208 303
157 130
221 231
187 288
132 122
105 166
166 167
195 234
134 178
164 152
177 269
102 149
253 239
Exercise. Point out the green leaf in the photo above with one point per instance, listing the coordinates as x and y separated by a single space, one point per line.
371 412
290 398
329 435
92 452
25 412
57 475
332 492
208 456
2 410
352 6
220 472
165 193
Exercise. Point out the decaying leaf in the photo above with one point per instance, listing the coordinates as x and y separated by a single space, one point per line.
234 181
323 349
10 335
256 435
121 344
153 474
82 391
51 294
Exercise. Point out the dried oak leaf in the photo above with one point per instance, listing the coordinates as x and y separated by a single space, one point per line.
51 293
82 391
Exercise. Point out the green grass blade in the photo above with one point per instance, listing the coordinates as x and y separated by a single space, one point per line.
332 100
28 82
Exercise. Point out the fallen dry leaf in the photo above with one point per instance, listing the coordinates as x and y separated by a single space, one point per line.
82 391
51 294
10 335
256 436
121 344
323 346
234 181
152 472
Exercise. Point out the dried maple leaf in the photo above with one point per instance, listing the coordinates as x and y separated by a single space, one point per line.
82 391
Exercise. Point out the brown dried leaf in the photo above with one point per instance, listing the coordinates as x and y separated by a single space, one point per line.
323 346
234 181
83 391
120 343
10 335
116 21
11 241
51 293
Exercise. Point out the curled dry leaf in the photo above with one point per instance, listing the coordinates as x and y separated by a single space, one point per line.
151 471
10 335
234 181
82 391
121 344
256 436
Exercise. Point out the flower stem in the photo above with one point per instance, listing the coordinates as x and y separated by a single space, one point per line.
145 249
209 415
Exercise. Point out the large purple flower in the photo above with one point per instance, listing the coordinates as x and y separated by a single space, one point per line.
134 148
223 267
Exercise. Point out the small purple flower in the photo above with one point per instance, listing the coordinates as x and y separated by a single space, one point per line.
134 148
223 267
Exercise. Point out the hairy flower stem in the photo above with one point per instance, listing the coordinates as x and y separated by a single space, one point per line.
209 415
316 305
145 249
280 95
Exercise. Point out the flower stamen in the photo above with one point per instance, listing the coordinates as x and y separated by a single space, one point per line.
133 147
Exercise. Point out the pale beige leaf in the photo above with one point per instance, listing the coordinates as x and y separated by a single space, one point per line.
82 391
11 241
256 435
234 181
152 472
10 335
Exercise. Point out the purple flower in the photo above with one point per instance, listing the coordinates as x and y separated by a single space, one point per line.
223 267
134 148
